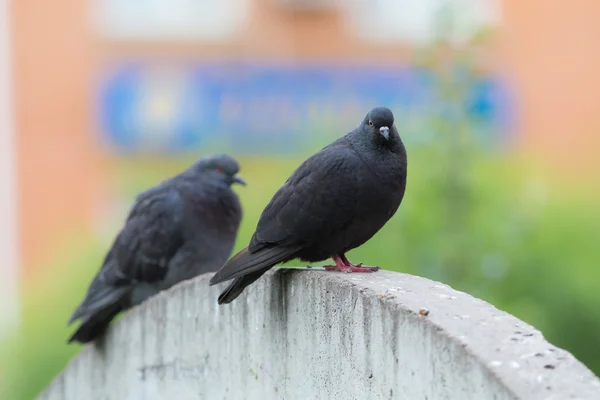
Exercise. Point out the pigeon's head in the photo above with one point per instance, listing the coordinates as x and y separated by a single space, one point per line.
380 123
220 168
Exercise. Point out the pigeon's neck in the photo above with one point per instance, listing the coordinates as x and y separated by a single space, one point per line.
216 196
387 158
201 188
364 142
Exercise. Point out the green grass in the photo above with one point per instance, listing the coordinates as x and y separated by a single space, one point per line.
486 227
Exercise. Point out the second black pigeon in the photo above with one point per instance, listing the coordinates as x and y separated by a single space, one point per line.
334 202
183 227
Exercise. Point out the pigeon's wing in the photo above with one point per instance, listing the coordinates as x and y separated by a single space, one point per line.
141 252
319 198
152 235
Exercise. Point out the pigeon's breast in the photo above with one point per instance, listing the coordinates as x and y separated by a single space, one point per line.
212 221
382 185
378 195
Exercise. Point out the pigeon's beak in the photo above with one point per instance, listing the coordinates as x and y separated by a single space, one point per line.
385 132
239 179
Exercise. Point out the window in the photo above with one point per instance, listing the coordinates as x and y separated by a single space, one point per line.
419 21
170 20
308 5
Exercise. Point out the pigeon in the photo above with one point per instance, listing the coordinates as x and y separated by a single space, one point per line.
183 227
333 202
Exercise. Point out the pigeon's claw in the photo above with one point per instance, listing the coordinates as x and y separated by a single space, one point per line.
340 265
342 268
358 267
364 269
344 265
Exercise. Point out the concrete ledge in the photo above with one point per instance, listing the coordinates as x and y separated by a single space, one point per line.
315 335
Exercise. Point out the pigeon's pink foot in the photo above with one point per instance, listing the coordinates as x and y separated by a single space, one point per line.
358 267
344 265
367 268
339 266
342 268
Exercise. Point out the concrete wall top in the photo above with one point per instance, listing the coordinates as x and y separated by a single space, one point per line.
316 335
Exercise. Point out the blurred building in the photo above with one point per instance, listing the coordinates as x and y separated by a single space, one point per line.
95 77
8 200
550 53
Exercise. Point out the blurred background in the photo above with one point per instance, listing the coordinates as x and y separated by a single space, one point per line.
498 103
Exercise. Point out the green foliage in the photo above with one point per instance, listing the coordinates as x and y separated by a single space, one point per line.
35 354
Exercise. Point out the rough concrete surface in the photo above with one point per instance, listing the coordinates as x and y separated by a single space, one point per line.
323 335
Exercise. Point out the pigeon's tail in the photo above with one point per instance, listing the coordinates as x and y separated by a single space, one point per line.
100 306
94 326
238 285
246 267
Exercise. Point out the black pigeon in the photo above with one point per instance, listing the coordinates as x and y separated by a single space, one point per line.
183 227
334 202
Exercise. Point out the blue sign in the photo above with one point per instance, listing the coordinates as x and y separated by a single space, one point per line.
274 108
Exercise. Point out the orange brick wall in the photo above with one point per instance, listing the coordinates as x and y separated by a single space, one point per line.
57 161
553 54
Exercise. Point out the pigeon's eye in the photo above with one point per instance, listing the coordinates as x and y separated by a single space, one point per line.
220 170
371 123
